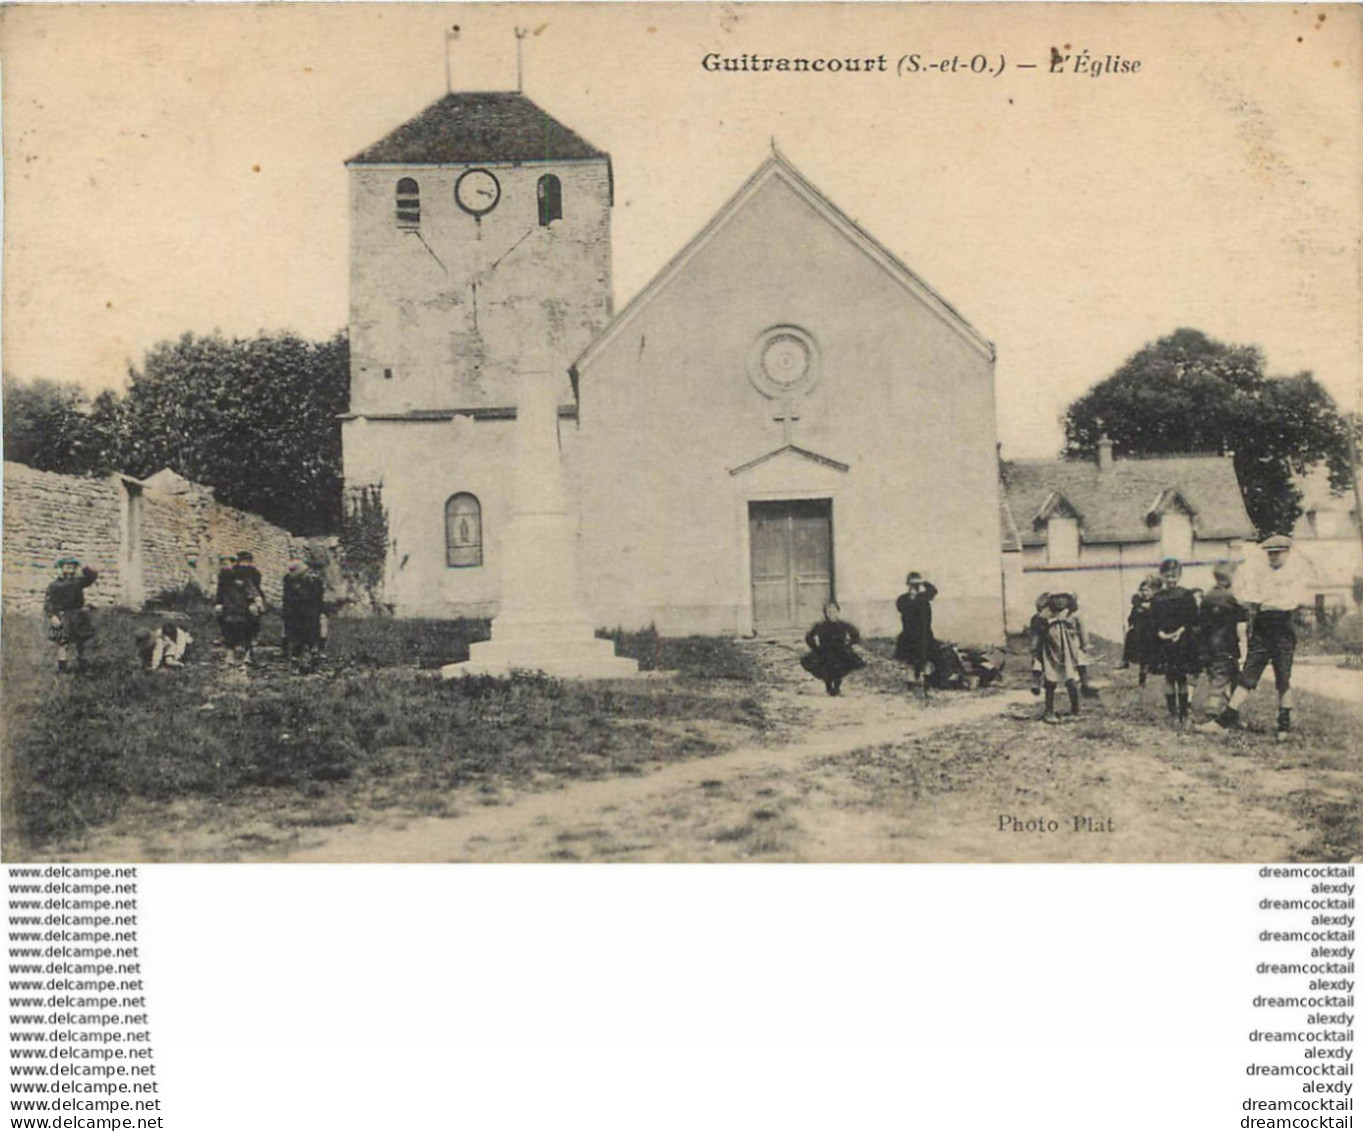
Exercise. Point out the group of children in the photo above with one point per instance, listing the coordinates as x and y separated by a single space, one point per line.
238 605
1177 632
832 655
1173 631
1181 633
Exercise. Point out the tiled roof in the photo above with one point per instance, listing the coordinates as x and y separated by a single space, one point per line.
1115 505
483 126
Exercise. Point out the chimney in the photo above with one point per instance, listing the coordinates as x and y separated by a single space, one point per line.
1104 453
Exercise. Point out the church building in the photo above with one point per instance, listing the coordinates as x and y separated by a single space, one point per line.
785 414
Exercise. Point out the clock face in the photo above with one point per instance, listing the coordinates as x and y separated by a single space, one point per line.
477 192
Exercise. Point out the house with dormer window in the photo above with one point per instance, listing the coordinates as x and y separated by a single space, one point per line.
1095 528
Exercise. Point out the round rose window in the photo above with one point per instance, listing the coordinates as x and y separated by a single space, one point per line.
784 360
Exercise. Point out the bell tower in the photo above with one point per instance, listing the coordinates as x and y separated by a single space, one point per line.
480 238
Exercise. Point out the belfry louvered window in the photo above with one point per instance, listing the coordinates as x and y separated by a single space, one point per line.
409 203
549 192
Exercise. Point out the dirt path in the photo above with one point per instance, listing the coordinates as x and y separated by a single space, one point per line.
538 826
882 777
1333 682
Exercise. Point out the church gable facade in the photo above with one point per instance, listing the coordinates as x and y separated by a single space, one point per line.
787 414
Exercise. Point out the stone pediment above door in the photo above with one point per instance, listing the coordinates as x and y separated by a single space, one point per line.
790 469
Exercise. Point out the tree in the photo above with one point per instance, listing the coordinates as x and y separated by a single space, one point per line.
1187 393
255 419
54 426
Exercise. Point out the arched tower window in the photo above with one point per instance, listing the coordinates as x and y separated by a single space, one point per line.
463 531
409 203
550 195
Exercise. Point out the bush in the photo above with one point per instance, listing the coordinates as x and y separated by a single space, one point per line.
1349 633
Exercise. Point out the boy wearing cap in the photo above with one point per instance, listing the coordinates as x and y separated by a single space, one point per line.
239 606
1273 595
68 620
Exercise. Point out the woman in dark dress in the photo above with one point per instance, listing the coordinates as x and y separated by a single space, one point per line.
831 654
916 645
1172 622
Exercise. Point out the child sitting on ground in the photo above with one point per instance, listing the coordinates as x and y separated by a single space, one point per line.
163 646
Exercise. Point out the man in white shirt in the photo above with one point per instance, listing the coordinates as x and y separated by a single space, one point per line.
1274 591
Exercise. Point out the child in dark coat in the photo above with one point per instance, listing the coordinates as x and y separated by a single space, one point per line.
302 609
916 645
1173 623
226 563
68 620
239 606
1219 623
1036 633
831 654
1138 649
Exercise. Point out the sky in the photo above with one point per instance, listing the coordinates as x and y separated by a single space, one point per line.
181 168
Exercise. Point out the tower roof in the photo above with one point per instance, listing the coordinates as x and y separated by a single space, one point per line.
480 126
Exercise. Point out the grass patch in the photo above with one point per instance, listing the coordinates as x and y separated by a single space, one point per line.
374 730
693 657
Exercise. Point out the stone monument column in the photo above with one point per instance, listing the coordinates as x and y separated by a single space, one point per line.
540 625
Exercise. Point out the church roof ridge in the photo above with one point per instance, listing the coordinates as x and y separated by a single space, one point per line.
482 125
776 163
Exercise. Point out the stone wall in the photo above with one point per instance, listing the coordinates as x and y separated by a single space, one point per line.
142 539
47 516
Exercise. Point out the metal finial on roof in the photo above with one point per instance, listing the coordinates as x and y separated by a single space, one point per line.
451 33
520 60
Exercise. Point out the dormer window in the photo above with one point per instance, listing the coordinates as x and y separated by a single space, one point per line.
549 193
408 203
1062 540
1061 520
1176 535
1174 516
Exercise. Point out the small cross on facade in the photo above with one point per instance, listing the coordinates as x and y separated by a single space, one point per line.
787 418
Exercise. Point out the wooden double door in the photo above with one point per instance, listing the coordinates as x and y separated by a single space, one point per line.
792 562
